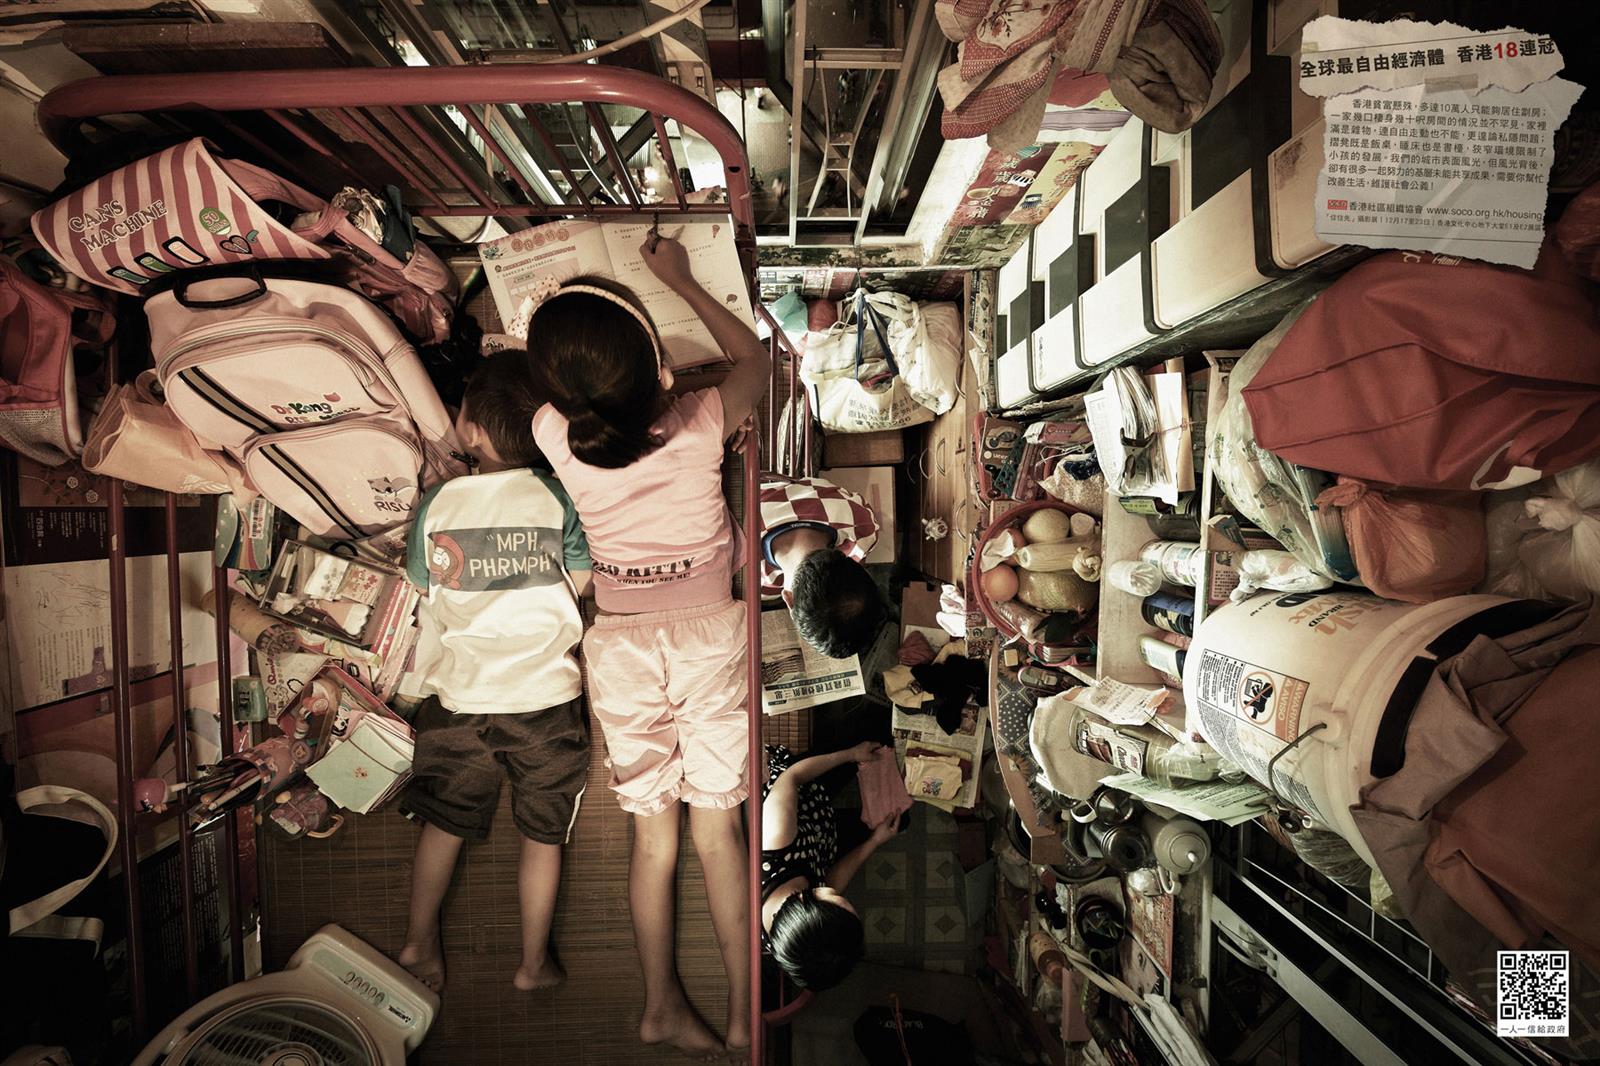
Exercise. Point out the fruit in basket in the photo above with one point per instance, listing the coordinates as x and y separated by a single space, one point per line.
1000 583
1057 590
1047 526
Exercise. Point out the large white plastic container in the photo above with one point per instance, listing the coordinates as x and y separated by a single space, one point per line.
1262 672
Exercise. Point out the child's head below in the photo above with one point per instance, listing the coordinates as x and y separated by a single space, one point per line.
495 423
817 938
593 351
836 606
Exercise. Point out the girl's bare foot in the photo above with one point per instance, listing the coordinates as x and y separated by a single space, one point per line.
425 961
738 1042
547 973
678 1024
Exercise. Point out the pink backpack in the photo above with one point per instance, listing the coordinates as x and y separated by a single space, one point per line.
185 208
312 389
40 328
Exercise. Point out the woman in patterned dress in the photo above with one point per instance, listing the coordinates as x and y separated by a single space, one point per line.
812 931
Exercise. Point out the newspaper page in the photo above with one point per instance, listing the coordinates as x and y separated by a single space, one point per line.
1438 138
528 262
1210 801
795 676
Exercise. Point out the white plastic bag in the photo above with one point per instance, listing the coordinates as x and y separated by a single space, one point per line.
832 353
931 363
1505 524
923 340
1279 497
1563 553
873 395
1275 570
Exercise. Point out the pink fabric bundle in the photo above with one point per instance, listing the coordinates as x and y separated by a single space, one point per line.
1578 232
883 790
915 650
141 441
1160 56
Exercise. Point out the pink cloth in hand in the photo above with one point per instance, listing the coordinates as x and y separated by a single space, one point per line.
883 789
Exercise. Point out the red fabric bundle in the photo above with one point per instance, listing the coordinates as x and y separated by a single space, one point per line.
1434 372
1412 546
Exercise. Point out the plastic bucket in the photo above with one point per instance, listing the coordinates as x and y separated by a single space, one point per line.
1264 672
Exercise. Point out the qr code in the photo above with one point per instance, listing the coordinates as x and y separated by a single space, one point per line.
1532 995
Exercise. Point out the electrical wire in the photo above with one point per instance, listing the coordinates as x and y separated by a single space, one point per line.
632 38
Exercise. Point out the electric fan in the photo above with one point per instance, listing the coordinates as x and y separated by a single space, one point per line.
337 1003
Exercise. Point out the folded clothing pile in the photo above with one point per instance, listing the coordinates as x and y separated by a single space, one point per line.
1158 57
934 775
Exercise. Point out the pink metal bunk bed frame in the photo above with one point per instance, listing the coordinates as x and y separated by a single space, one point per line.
362 98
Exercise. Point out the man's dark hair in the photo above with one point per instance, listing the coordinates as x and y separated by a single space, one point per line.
815 942
502 399
837 608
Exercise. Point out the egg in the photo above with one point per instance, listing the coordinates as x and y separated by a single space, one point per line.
1000 584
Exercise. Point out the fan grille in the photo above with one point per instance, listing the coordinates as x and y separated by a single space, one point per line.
277 1031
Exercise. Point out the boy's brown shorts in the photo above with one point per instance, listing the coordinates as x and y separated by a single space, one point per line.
461 759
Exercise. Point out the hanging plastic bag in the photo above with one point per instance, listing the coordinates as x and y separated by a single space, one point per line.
1411 546
842 350
922 343
873 396
1563 554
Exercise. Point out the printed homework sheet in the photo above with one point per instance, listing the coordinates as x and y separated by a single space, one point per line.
532 262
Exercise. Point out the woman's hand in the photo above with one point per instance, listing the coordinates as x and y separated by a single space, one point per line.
667 260
885 830
865 751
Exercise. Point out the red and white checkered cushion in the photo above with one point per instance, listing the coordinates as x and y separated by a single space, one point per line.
788 500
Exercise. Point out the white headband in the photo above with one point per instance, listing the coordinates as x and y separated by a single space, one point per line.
531 303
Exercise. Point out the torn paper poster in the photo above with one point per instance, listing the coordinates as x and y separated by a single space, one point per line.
1342 56
1453 172
1112 700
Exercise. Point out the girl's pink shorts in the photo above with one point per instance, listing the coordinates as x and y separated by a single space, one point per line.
671 692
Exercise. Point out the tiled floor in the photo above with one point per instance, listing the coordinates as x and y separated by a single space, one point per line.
912 896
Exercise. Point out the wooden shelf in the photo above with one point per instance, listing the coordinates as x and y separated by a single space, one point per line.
1044 834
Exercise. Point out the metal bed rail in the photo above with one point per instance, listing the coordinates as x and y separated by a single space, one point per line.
789 424
321 112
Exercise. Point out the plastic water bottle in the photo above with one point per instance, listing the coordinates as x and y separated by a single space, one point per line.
1135 577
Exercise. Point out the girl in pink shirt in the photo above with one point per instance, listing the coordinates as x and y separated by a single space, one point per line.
667 655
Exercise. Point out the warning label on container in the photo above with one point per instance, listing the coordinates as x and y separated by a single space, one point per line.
1266 699
1250 713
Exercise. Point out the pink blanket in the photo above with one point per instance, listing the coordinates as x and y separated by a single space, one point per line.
883 790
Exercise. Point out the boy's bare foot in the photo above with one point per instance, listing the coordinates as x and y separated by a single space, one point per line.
547 974
425 961
679 1025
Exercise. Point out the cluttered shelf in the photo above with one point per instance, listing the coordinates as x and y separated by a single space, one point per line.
1236 663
